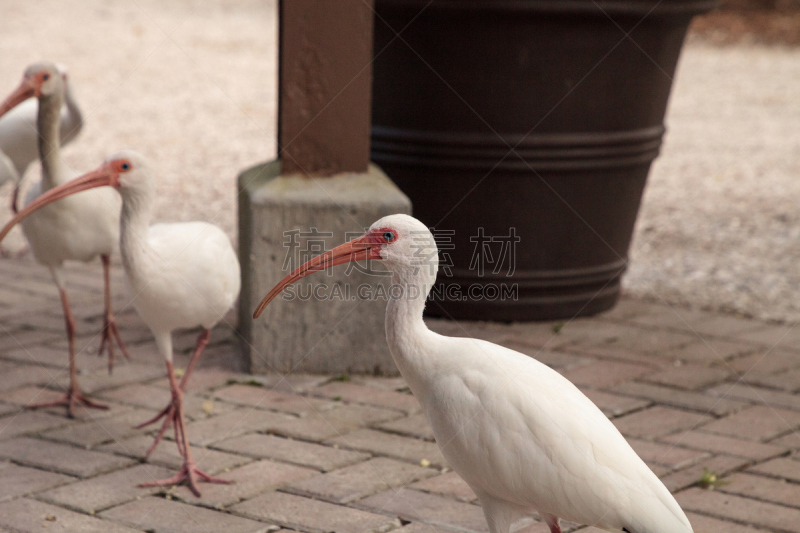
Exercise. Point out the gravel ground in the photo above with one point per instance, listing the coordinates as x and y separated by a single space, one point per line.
192 84
720 225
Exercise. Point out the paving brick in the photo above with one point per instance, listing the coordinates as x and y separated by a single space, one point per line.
414 505
414 426
27 422
722 325
273 400
354 393
55 357
359 481
311 516
614 405
13 340
790 441
781 467
18 480
762 488
601 374
671 317
449 485
756 423
700 440
553 359
321 426
166 454
60 457
248 481
767 362
421 527
170 516
301 453
657 421
706 524
380 443
709 350
102 430
741 509
156 398
753 394
293 383
688 376
234 423
788 380
669 456
393 384
642 340
774 336
719 464
30 515
33 394
14 376
124 374
101 492
695 401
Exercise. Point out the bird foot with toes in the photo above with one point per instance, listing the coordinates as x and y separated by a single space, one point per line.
73 397
190 474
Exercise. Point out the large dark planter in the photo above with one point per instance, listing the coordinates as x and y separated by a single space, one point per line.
581 104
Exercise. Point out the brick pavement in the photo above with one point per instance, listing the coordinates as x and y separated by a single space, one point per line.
710 402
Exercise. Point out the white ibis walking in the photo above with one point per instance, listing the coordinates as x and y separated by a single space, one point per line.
181 275
78 228
522 436
19 144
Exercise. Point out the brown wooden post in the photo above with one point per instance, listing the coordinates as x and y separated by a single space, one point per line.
325 86
322 186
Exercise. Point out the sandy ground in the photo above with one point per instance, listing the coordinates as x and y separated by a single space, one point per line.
720 221
192 84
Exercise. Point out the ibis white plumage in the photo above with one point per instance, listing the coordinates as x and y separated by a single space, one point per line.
19 146
78 228
521 435
180 275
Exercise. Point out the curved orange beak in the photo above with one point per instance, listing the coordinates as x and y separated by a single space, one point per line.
104 176
364 247
26 89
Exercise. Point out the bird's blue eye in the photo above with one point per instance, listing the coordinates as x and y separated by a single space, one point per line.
46 77
126 166
389 236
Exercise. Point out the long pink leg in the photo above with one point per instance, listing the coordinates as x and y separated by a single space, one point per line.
189 471
169 413
74 394
110 329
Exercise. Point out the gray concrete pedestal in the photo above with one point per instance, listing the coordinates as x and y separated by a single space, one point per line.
331 322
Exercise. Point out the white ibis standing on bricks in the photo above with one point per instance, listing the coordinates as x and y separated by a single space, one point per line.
78 228
18 134
522 436
181 275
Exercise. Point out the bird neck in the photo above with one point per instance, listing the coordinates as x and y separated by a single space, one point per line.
47 124
73 119
406 331
134 225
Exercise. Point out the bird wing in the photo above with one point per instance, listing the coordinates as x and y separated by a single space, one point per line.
190 276
530 437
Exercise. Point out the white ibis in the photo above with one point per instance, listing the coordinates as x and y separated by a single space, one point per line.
522 436
19 141
181 275
78 228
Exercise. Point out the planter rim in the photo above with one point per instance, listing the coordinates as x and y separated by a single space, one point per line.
588 7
